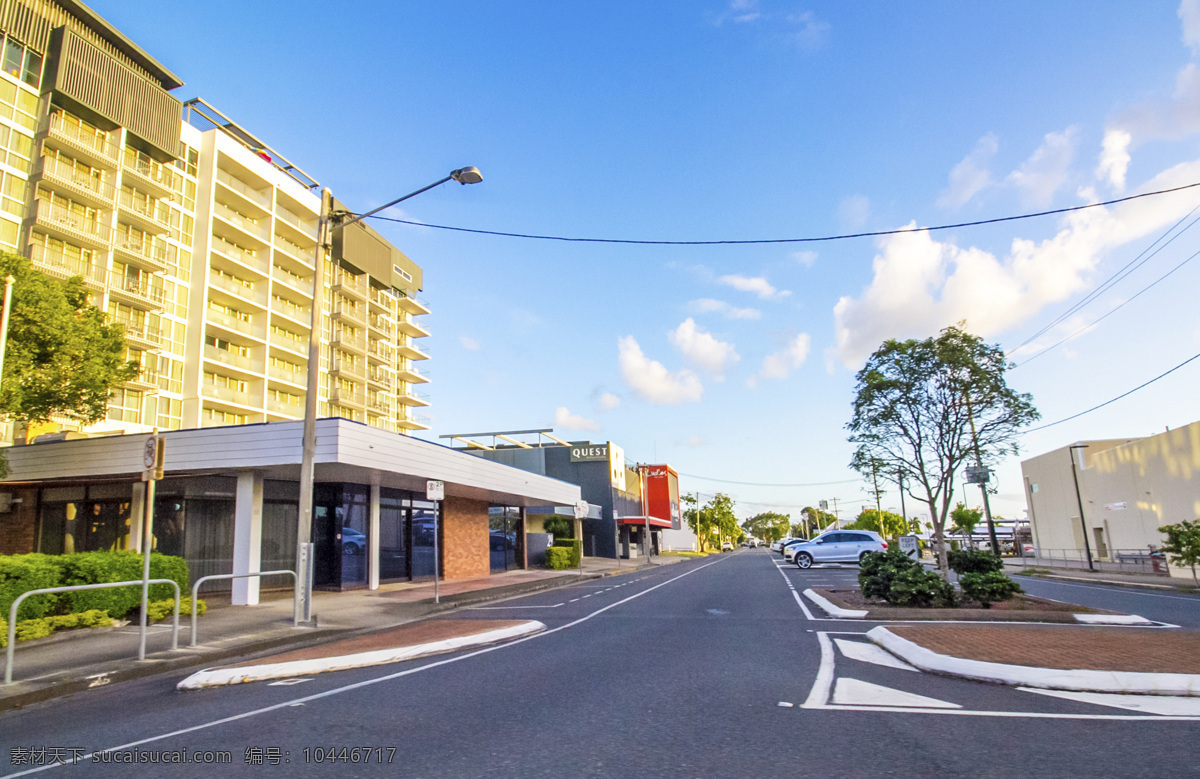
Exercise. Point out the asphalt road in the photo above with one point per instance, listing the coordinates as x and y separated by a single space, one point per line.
677 672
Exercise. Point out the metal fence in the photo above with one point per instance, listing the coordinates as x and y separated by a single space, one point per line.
1146 560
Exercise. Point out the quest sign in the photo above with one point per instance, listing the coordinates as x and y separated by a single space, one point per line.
590 454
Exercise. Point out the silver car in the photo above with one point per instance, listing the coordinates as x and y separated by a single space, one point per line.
835 546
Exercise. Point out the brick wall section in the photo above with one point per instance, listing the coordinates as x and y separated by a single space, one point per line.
465 534
18 528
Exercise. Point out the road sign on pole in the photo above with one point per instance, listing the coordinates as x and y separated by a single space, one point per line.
435 490
911 546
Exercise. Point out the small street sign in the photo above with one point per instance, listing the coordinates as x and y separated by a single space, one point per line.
911 546
435 490
581 509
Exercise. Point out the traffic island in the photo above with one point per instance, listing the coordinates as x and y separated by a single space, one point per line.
850 604
386 646
1052 657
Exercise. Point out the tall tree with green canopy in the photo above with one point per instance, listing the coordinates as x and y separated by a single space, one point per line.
885 523
912 415
62 357
964 519
769 525
716 515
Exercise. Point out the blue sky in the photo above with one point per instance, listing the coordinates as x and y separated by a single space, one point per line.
743 120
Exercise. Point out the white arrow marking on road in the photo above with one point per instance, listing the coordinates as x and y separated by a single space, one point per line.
869 653
1151 704
853 692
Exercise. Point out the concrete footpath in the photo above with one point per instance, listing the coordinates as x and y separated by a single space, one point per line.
75 661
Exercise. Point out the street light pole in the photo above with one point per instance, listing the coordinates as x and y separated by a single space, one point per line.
1079 498
330 220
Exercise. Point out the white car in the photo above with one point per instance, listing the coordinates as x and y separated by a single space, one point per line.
777 546
836 546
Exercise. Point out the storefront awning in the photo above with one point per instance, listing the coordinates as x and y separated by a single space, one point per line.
643 521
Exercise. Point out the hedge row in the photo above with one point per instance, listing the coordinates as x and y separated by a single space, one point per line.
21 573
564 554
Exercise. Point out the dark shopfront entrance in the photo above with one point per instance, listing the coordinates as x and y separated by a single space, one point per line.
341 535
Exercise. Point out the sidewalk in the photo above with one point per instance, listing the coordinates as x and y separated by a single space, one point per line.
1145 580
74 661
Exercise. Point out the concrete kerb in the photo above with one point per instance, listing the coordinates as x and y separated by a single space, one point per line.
1076 680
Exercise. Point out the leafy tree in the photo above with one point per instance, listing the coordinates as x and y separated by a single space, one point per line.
870 519
61 357
717 515
814 520
1183 544
769 525
559 526
965 519
912 418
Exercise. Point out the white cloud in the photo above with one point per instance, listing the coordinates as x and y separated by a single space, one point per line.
1114 159
1040 176
468 343
695 440
564 419
758 285
854 211
779 365
811 33
608 401
806 258
1189 14
653 382
972 175
710 306
703 349
922 285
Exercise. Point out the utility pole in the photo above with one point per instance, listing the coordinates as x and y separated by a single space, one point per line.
983 475
875 484
900 485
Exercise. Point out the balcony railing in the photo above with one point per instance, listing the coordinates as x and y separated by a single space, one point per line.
229 395
286 407
294 250
233 323
140 332
158 176
292 377
248 257
96 143
347 397
345 340
83 227
412 303
142 250
152 212
58 172
244 189
136 287
299 314
243 222
61 266
348 282
306 226
227 357
255 293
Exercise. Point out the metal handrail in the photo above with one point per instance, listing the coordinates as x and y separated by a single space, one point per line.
202 579
12 613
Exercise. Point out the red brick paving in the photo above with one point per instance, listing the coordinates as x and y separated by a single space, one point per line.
1055 646
405 635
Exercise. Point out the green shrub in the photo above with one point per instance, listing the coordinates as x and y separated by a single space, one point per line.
988 587
877 570
101 567
921 588
22 573
163 609
558 558
974 561
29 629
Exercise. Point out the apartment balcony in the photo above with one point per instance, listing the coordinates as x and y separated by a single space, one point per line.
241 192
382 326
410 397
350 285
383 300
146 381
60 266
142 252
347 312
294 378
294 348
409 302
252 293
286 408
379 405
350 343
408 372
295 227
381 379
303 287
232 359
344 397
227 322
227 395
152 177
93 147
294 254
137 291
225 219
410 327
409 349
249 258
71 226
347 368
74 184
141 334
380 351
382 422
414 422
151 216
299 315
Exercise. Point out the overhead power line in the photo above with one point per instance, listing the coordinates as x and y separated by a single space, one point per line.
1118 397
820 239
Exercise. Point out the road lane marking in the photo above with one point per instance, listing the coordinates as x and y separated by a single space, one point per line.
366 682
498 608
869 653
859 693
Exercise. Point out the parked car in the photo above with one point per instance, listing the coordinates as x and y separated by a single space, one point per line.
837 546
777 546
727 546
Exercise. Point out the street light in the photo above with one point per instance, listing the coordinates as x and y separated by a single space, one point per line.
330 220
